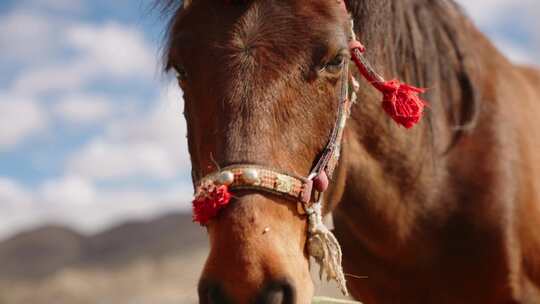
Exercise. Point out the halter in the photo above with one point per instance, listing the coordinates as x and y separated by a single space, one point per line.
400 101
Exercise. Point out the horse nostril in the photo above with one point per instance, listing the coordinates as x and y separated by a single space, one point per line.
277 292
212 293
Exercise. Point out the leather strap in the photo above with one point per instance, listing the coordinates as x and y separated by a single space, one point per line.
330 156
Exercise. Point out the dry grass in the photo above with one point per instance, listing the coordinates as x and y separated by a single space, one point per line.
147 281
168 281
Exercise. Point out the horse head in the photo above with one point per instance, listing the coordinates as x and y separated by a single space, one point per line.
261 82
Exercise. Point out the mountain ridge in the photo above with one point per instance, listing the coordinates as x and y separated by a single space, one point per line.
41 252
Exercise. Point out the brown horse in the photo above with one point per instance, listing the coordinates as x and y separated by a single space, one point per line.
448 212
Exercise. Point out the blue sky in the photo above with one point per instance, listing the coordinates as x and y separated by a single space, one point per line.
92 133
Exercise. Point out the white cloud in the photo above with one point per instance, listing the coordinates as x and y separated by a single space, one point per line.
490 12
517 53
491 15
151 144
79 203
84 109
25 36
68 190
104 52
55 5
485 11
115 48
20 118
13 195
106 160
121 203
70 76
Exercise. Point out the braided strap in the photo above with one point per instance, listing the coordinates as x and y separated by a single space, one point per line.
253 177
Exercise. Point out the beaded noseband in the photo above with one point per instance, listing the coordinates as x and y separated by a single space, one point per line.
400 101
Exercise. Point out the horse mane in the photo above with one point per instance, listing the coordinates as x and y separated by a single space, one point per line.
431 44
428 43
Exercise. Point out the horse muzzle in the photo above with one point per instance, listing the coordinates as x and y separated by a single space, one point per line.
258 254
274 292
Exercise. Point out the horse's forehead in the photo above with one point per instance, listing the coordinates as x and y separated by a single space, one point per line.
268 43
209 22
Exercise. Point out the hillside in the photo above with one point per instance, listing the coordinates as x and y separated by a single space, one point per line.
144 262
39 253
153 262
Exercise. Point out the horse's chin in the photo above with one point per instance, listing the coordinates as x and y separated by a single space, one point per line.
257 254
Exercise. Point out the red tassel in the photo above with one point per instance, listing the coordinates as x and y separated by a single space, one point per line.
209 200
402 102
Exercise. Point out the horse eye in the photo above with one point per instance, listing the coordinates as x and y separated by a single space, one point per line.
181 74
335 65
